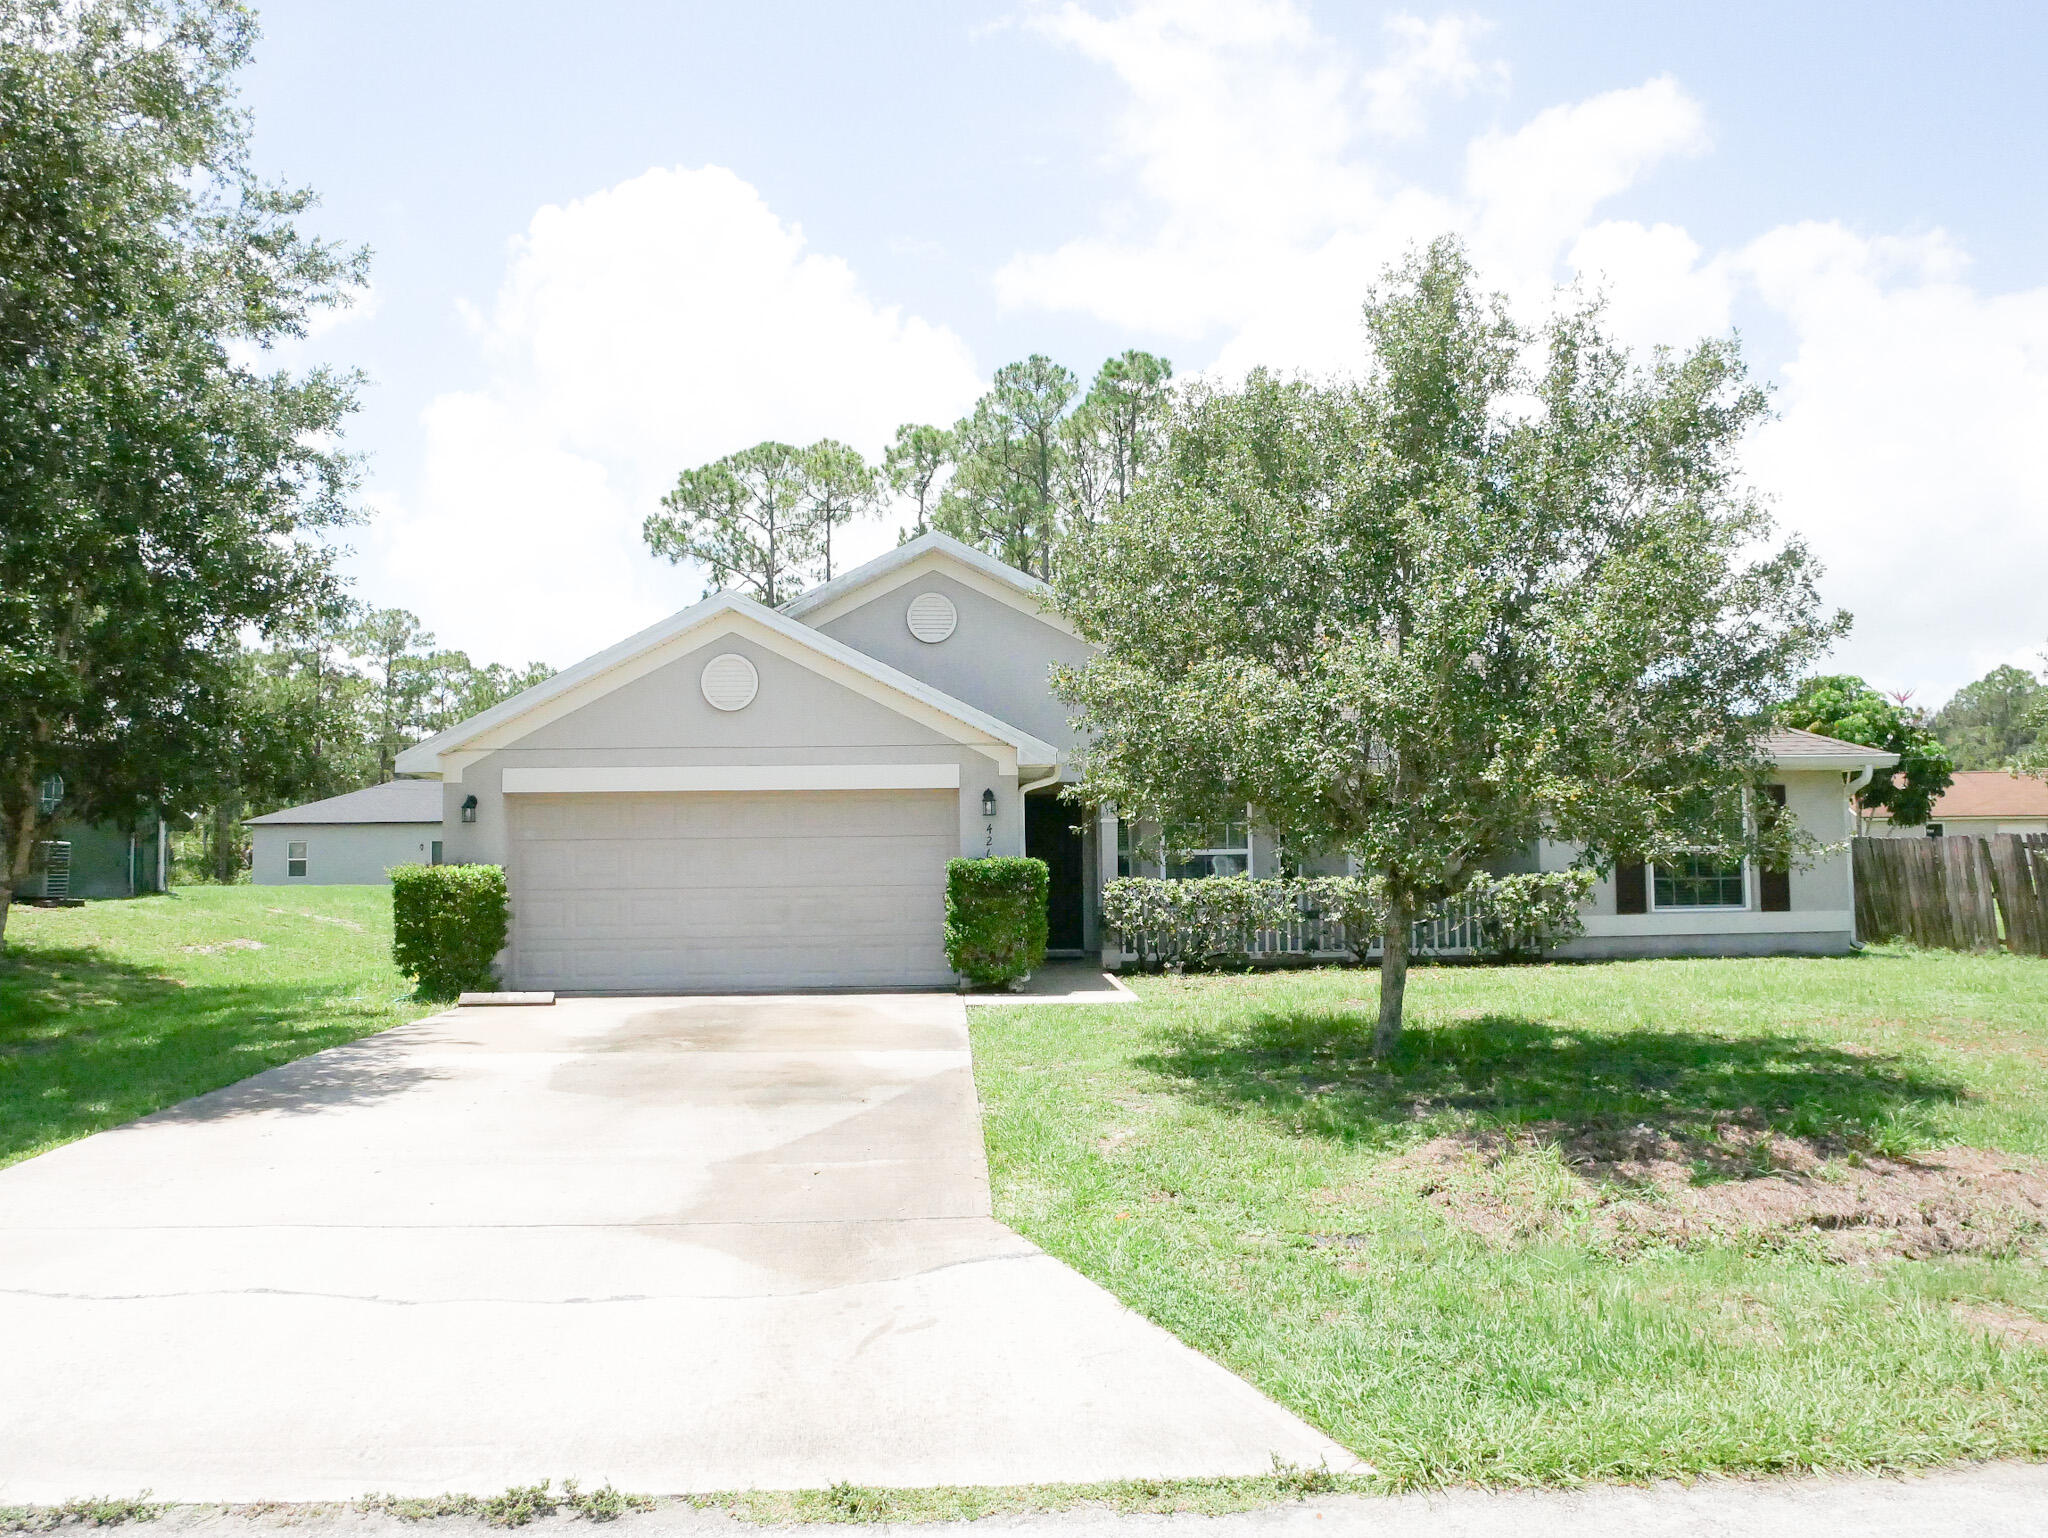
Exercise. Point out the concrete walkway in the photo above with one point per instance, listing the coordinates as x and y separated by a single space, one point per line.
678 1245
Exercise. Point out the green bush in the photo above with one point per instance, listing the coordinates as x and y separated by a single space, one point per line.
447 923
995 918
1216 920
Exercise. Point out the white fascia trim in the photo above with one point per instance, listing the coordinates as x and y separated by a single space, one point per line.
929 552
734 777
1792 763
640 654
1721 921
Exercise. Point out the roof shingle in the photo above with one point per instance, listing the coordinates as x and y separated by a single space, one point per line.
393 801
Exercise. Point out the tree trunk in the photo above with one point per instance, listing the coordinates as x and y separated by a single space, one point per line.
224 843
1386 1035
17 850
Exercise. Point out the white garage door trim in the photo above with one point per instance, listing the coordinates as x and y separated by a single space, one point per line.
727 892
734 777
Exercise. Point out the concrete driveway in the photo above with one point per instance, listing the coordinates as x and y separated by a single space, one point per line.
680 1245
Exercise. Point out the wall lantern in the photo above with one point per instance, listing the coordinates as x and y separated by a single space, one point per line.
988 803
469 808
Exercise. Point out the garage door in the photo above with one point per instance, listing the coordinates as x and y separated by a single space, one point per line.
655 893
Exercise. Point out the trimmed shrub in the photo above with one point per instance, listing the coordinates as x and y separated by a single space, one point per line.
995 918
1522 917
447 924
1216 920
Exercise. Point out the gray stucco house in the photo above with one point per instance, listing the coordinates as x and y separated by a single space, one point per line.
743 797
350 840
99 859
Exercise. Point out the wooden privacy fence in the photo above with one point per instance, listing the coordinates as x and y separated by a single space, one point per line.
1959 894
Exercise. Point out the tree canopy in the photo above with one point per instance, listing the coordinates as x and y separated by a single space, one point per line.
1466 600
762 519
1843 705
1031 466
162 492
1990 723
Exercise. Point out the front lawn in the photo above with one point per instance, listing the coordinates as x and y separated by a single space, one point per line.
1595 1222
116 1008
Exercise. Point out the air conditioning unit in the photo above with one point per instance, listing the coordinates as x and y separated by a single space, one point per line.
53 863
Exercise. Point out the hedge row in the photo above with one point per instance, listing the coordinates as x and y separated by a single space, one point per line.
1217 920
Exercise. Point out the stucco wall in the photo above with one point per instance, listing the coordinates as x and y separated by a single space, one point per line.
996 658
340 854
1821 919
107 860
662 719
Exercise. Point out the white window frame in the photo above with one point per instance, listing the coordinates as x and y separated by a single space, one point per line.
1153 851
1746 905
296 853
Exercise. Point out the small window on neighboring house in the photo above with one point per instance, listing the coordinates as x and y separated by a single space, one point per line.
50 795
434 858
1934 830
295 857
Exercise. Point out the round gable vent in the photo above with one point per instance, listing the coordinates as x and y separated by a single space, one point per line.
932 617
730 682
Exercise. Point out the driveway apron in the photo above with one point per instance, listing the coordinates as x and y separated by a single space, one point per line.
676 1244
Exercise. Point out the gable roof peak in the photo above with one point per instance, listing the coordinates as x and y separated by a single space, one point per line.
425 757
930 542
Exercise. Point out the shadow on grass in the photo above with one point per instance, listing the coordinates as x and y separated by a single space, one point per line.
1314 1071
88 1042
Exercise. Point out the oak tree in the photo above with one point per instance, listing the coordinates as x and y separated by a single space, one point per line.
1502 586
163 489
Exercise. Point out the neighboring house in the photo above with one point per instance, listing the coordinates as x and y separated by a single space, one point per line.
741 797
350 840
100 859
1980 802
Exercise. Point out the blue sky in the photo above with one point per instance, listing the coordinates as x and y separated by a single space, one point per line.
618 239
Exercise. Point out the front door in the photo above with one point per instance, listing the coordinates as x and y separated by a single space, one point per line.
1051 835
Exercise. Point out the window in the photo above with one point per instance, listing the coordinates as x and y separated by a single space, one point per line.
434 857
295 857
1934 830
1699 881
51 794
1222 850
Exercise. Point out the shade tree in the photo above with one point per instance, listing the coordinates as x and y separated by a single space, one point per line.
164 490
1503 585
1990 723
1843 706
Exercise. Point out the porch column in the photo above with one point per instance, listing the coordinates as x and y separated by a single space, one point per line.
1105 872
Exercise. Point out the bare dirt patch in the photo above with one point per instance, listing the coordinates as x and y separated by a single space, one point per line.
1626 1190
2005 1323
224 945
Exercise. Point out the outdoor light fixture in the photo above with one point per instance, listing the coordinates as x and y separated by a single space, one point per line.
988 803
469 808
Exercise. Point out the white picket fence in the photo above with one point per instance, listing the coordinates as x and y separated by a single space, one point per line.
1452 930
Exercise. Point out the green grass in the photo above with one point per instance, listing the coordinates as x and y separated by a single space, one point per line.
115 1009
1221 1157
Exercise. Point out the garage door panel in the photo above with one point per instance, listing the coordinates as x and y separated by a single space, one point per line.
711 891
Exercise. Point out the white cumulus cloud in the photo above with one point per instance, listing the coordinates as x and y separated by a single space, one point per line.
654 325
1910 402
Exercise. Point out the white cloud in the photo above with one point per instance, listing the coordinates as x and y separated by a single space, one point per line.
654 325
1911 403
1908 448
1535 188
1425 57
1243 131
